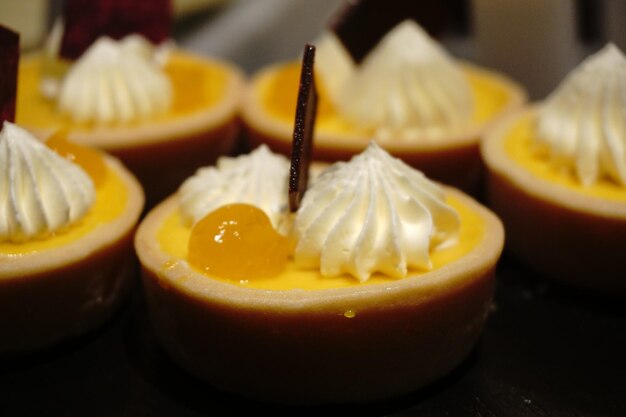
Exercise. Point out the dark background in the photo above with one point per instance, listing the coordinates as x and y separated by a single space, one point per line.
547 350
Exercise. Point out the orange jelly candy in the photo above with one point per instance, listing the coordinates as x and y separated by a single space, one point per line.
237 241
89 159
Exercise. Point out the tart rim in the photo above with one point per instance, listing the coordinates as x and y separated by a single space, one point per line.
497 159
21 265
401 292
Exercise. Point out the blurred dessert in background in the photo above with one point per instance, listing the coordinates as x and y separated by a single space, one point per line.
67 220
111 78
557 176
403 89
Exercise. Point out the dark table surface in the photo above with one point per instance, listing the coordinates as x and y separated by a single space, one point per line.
547 350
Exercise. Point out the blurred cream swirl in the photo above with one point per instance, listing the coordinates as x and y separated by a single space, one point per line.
116 82
583 122
406 86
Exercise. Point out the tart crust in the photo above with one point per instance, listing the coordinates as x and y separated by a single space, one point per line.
451 158
52 295
559 232
162 153
357 344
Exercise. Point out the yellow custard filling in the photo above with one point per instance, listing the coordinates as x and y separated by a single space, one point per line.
520 146
198 85
173 237
111 200
278 91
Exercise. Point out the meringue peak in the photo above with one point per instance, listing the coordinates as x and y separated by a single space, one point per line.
373 213
40 191
583 122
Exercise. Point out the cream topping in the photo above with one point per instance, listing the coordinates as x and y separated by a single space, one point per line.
116 82
373 213
583 122
52 67
40 191
406 86
334 64
260 178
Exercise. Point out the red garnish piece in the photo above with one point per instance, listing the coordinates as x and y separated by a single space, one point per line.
361 24
306 110
9 56
87 20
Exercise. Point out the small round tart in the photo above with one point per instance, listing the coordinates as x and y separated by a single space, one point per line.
163 150
451 157
560 228
302 338
60 286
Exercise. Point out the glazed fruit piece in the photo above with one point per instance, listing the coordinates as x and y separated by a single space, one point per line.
162 111
556 178
419 103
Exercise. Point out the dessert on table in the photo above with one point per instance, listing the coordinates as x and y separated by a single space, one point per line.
557 176
403 89
112 78
67 220
349 282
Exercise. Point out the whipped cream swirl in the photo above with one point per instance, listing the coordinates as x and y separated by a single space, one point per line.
406 86
40 191
260 178
334 64
116 82
374 213
583 122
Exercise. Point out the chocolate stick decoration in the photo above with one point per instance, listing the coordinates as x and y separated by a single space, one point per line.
306 110
9 57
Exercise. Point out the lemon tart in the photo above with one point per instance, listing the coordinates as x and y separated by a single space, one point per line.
161 149
418 103
557 177
326 328
66 230
366 283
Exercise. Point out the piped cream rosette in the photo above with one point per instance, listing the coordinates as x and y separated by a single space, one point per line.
372 214
115 82
407 85
583 122
40 191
